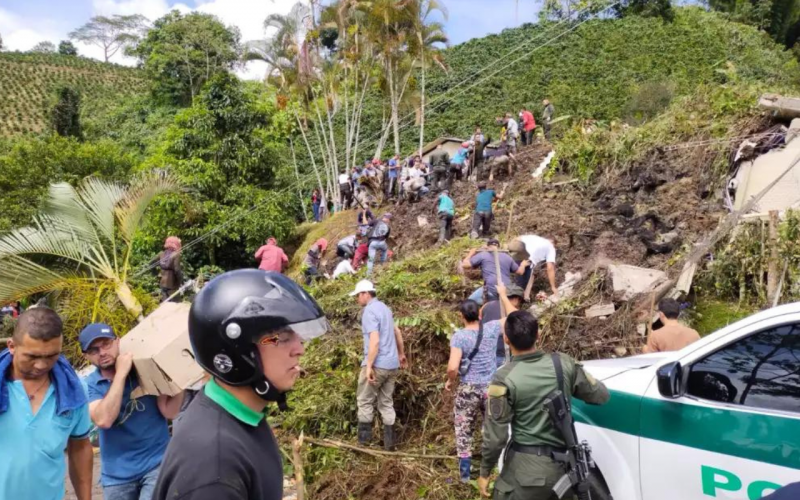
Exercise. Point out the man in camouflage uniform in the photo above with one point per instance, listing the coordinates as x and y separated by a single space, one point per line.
516 397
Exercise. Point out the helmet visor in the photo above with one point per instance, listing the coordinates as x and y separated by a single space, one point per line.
281 308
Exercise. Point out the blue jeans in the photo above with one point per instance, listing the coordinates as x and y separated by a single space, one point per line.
477 296
315 209
135 490
376 246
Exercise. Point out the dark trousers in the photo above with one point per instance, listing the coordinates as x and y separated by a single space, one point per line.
522 281
344 252
312 274
482 220
346 199
391 185
527 137
547 130
445 226
439 176
454 172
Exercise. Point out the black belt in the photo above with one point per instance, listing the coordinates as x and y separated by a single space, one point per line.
542 451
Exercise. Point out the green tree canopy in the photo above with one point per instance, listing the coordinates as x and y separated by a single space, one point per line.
111 33
227 151
181 53
67 48
44 47
67 113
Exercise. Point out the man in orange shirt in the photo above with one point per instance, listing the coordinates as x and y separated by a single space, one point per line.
673 336
272 257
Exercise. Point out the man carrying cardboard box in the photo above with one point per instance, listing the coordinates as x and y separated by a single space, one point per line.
133 431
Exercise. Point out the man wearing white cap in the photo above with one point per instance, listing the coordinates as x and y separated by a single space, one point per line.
384 353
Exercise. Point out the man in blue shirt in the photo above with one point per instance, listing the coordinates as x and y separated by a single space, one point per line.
43 412
133 431
482 221
384 353
445 210
394 167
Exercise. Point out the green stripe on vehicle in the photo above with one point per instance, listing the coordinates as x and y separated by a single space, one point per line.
765 438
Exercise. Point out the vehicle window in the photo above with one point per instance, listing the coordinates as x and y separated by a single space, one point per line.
761 371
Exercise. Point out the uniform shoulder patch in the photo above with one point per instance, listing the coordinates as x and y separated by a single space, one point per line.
497 391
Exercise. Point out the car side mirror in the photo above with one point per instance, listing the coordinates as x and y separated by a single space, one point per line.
670 380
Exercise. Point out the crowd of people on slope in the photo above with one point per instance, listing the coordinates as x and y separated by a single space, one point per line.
222 446
415 176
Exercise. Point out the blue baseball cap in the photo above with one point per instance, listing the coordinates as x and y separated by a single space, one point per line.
93 332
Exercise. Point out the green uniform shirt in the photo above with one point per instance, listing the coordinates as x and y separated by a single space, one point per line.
516 397
440 159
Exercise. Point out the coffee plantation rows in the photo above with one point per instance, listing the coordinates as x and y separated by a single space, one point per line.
28 83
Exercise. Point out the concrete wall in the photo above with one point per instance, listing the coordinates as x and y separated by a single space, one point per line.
753 177
451 147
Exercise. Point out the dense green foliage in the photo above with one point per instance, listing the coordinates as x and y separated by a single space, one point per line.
181 53
67 113
28 166
227 149
28 83
67 48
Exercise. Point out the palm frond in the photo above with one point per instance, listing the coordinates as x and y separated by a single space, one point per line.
20 277
134 202
100 197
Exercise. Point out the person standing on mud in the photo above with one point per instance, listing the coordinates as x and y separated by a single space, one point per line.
377 237
384 354
472 361
445 210
482 220
313 260
528 126
537 250
440 163
516 395
169 261
512 133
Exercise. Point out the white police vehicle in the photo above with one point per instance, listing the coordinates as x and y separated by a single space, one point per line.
717 419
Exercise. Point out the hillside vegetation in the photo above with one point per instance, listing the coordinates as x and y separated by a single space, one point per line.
28 83
606 69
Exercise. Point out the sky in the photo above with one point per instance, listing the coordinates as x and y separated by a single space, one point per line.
24 23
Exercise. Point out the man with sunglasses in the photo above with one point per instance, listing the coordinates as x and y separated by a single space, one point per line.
247 329
133 431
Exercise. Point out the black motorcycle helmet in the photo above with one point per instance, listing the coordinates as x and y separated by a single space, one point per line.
237 309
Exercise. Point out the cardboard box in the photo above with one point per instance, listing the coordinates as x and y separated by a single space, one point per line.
162 353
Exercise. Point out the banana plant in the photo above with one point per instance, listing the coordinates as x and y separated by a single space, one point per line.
83 236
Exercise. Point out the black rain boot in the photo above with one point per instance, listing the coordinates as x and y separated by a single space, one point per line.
364 433
388 438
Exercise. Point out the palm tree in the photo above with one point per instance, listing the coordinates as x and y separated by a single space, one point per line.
429 36
83 236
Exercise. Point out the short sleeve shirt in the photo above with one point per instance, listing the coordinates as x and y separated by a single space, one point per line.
446 205
135 444
38 443
483 365
483 203
540 249
485 260
377 317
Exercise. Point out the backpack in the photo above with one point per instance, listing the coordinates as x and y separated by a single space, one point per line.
380 231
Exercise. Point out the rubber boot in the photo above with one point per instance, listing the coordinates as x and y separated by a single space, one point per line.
364 433
464 465
388 438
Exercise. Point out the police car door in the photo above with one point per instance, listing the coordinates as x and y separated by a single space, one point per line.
734 430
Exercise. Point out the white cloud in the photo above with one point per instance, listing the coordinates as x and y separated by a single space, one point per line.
20 34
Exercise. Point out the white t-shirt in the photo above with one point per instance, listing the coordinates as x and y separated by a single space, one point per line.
344 267
512 127
344 179
414 173
539 249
